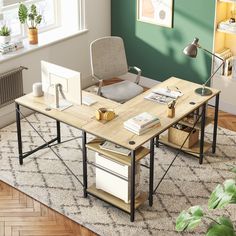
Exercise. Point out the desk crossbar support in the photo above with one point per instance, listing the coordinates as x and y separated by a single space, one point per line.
180 149
55 144
18 114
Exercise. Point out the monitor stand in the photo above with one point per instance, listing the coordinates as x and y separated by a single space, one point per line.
60 104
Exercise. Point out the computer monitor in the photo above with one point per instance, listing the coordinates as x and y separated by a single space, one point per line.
56 79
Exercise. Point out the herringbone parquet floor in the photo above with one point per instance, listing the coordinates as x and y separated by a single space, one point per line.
21 215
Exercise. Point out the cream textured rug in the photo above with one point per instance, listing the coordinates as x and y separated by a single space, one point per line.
46 179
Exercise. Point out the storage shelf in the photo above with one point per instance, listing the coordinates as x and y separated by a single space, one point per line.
140 153
116 201
230 1
194 150
198 125
226 31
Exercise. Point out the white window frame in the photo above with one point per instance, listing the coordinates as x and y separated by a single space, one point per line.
23 28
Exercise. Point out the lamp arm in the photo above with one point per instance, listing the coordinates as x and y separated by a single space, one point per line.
223 62
213 54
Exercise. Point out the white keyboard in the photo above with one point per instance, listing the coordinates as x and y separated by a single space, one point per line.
88 101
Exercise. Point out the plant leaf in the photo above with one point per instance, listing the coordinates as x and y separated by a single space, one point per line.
33 10
22 13
196 211
224 228
223 195
38 19
189 219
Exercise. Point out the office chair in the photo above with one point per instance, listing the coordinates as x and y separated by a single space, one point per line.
108 60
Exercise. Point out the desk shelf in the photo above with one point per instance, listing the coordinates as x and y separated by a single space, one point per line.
208 121
116 201
126 160
194 150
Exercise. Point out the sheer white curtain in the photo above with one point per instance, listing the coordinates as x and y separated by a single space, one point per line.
9 2
1 5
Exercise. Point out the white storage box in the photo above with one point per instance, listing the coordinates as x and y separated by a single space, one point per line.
113 184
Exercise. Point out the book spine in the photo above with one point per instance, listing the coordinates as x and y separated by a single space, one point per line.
136 126
112 150
132 130
138 132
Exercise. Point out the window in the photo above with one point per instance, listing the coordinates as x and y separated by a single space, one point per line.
48 8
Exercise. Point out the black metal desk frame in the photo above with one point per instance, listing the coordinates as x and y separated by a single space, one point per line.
84 153
23 155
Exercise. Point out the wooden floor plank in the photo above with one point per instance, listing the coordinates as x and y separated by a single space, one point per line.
21 215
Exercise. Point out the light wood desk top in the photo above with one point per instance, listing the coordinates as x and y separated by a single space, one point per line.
83 117
114 130
76 116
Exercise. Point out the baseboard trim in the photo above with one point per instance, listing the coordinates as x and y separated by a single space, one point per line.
227 107
8 114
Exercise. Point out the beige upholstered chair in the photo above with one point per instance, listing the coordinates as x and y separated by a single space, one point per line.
108 60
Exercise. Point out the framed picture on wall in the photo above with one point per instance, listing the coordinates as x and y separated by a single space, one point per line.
159 12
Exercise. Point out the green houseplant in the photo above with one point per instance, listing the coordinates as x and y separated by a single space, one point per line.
5 34
222 196
32 19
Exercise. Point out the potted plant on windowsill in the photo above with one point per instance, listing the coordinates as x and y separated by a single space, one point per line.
5 35
32 19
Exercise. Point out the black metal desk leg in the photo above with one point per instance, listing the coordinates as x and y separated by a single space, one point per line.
58 132
157 141
84 151
132 197
203 121
215 123
151 172
19 139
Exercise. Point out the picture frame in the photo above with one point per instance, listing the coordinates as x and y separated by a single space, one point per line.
159 12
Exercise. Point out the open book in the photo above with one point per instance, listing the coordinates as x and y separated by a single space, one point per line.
163 95
112 147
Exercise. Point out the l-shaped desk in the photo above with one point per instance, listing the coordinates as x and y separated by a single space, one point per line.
83 118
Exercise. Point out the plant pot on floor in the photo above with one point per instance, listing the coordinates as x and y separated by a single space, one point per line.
33 35
5 39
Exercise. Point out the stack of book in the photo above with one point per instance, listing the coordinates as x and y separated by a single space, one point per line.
228 26
11 47
227 56
141 123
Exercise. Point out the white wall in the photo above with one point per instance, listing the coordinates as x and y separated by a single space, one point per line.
72 53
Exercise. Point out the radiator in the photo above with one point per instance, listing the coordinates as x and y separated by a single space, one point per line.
11 85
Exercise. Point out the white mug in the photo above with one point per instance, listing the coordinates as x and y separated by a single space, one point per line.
37 89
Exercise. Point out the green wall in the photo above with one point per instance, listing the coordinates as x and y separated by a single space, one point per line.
158 50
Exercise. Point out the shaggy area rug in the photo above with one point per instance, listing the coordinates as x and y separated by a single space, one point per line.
45 178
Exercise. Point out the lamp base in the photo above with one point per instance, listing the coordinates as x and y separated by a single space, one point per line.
203 91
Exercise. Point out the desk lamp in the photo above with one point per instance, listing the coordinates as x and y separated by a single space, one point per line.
191 51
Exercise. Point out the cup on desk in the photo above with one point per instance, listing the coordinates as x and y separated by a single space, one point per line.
37 89
171 109
171 112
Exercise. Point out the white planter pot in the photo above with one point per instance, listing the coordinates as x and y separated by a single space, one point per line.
5 39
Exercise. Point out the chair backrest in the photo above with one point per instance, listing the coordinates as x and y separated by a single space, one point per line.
108 57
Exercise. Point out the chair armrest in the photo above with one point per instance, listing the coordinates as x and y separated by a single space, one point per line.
100 83
139 71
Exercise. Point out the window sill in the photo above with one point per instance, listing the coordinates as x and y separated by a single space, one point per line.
45 39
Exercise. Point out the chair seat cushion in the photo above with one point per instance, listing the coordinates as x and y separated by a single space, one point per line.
122 91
